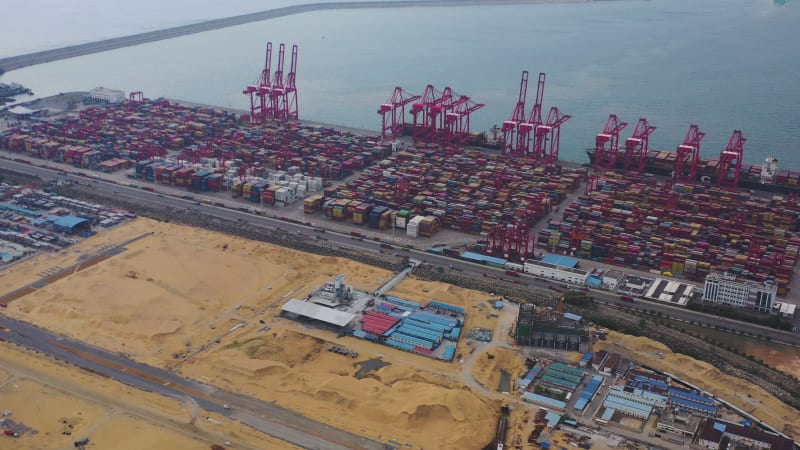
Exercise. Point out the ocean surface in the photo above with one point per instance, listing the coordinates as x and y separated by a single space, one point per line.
722 64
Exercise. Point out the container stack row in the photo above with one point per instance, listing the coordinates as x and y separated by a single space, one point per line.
139 131
687 230
465 190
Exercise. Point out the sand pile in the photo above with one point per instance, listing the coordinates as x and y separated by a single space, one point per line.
487 366
745 395
430 410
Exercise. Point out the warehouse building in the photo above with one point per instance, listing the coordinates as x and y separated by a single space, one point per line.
727 289
295 308
682 424
630 402
670 291
712 432
71 224
557 268
543 327
105 95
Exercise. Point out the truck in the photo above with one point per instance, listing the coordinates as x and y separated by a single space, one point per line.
626 298
513 273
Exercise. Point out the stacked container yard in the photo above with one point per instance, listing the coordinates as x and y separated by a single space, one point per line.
687 230
139 131
465 190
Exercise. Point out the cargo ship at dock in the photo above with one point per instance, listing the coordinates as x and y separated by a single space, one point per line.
762 177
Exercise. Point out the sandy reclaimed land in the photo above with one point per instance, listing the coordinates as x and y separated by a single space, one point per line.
407 401
488 364
739 392
44 393
178 289
415 400
181 288
48 411
28 271
140 435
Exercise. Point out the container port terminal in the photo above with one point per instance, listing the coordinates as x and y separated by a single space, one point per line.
396 187
431 258
624 229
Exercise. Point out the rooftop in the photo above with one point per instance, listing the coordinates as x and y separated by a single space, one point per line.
555 266
317 312
560 260
712 430
483 258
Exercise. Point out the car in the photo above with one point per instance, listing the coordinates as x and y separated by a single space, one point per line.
116 191
226 406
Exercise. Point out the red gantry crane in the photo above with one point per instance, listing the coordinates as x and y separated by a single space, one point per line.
260 92
731 157
607 144
457 121
420 109
393 112
547 137
276 95
688 156
511 241
289 108
509 127
436 111
534 120
136 97
637 146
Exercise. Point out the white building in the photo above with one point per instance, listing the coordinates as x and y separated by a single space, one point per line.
725 288
556 273
105 95
611 279
785 310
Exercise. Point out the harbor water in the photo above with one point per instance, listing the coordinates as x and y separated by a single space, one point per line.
723 64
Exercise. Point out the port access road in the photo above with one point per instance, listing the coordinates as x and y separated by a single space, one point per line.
263 416
229 212
72 51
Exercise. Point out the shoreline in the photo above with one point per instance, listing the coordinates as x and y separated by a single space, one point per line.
30 59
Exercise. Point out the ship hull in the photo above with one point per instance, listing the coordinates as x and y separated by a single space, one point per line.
663 163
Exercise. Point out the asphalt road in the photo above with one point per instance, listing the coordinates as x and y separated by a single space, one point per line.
266 417
30 59
368 244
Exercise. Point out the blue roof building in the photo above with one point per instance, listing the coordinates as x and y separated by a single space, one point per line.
484 259
560 260
72 224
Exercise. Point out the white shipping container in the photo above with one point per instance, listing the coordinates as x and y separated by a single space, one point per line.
412 231
400 222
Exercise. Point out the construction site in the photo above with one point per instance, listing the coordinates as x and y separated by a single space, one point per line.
419 328
551 328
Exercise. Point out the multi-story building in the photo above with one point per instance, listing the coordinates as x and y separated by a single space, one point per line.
712 432
726 288
105 95
556 272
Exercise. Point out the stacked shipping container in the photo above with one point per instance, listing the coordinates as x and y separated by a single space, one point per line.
688 230
465 190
